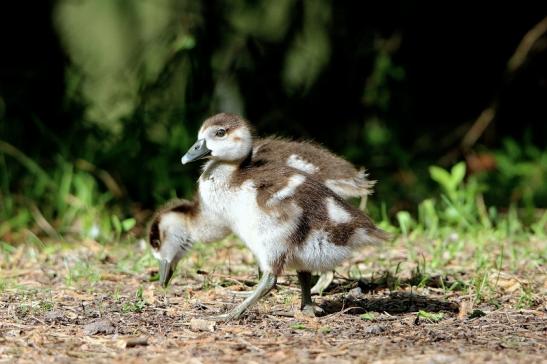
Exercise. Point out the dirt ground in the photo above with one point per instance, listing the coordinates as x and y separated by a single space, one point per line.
95 305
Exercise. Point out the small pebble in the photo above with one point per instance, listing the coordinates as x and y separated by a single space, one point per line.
136 341
99 327
202 325
375 329
54 316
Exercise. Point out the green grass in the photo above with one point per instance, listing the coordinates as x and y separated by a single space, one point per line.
74 200
137 304
430 316
325 330
82 273
480 257
367 316
458 227
32 301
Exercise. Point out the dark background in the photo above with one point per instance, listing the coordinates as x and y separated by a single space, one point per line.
400 86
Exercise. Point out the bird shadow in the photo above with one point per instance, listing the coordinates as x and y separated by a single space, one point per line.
354 301
395 303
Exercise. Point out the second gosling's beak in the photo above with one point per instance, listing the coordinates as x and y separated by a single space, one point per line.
166 272
197 151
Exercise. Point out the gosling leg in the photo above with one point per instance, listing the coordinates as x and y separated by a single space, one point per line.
246 294
324 281
307 307
267 282
242 294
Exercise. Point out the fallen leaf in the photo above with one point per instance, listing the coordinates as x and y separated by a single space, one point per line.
507 282
202 325
464 309
131 342
111 277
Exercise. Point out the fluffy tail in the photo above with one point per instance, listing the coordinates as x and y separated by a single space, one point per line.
365 186
379 235
356 186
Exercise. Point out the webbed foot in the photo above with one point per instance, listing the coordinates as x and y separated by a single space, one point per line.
312 310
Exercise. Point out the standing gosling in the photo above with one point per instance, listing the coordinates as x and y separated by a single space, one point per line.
287 218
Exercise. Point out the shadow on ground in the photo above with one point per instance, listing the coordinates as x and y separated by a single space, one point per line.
350 295
395 303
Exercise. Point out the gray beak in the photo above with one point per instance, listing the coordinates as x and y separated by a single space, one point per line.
197 151
166 272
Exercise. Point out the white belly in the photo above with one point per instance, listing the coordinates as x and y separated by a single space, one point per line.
318 254
263 232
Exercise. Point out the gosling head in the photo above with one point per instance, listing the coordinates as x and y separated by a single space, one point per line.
226 137
170 239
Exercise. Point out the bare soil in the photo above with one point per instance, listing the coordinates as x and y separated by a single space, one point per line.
53 310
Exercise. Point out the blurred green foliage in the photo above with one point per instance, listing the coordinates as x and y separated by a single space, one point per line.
139 77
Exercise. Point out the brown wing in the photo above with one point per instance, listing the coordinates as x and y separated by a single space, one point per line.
339 174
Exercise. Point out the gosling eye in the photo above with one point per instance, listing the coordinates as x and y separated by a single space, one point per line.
220 133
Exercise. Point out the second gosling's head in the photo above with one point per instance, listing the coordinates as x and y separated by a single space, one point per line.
169 237
225 137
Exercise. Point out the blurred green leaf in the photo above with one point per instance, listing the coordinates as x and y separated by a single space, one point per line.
117 224
128 224
441 176
184 42
458 174
405 221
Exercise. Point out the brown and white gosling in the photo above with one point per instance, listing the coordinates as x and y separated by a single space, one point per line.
178 225
287 218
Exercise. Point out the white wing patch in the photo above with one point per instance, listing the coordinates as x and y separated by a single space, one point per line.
336 212
287 191
256 149
297 162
